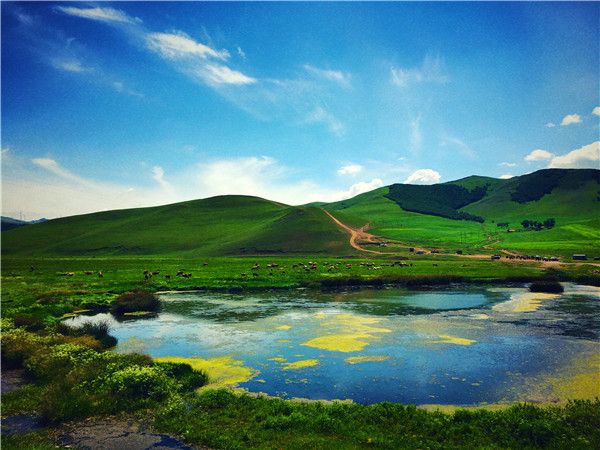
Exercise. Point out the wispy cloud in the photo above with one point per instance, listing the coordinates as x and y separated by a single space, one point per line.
538 155
53 167
431 70
462 147
101 14
596 111
337 76
415 135
179 45
350 169
507 164
423 176
58 191
70 65
570 119
506 176
550 125
320 115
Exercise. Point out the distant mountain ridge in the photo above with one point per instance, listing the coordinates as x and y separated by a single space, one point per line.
8 223
471 213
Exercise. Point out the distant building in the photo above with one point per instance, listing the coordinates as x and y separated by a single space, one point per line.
495 257
580 257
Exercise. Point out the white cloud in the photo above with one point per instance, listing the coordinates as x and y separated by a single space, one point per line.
101 14
218 74
337 76
432 70
158 174
550 125
506 176
362 187
423 176
596 111
507 164
179 45
241 53
70 65
350 169
53 167
538 155
571 119
320 115
587 156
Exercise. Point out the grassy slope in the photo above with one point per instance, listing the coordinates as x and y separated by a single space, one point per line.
575 208
216 226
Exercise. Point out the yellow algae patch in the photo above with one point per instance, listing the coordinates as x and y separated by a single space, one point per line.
301 364
348 332
361 359
581 381
278 359
223 371
283 341
524 302
447 339
340 342
283 327
480 316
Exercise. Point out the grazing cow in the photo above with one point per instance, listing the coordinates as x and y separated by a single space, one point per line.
156 273
88 272
100 274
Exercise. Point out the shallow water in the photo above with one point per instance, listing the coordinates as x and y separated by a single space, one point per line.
461 345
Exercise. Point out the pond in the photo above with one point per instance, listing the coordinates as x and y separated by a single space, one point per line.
459 345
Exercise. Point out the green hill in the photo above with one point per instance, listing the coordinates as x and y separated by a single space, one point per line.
465 214
476 214
215 226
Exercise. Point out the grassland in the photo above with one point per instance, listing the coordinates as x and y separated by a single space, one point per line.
83 263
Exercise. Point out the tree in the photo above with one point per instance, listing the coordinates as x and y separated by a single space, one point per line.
526 224
549 223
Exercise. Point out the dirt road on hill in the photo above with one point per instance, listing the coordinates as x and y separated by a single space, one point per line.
356 234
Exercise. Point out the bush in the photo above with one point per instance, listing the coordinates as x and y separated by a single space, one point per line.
136 300
28 321
546 286
96 330
136 382
188 378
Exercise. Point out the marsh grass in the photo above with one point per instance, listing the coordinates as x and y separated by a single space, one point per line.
135 301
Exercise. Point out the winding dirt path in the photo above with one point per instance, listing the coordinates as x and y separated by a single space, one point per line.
356 234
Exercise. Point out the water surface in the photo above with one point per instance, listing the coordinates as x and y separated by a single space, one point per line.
461 345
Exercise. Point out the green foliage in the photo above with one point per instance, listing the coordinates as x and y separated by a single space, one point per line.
534 186
442 200
188 378
136 300
139 382
223 419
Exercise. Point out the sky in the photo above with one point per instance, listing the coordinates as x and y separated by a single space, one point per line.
117 105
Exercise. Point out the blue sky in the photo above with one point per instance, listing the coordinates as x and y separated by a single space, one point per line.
113 105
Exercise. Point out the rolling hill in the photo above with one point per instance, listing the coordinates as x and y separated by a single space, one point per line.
474 214
222 225
466 213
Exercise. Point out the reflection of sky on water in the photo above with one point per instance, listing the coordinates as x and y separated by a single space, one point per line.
445 346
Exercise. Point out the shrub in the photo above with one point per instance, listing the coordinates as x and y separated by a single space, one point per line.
550 286
136 382
188 378
28 321
136 300
96 330
17 345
